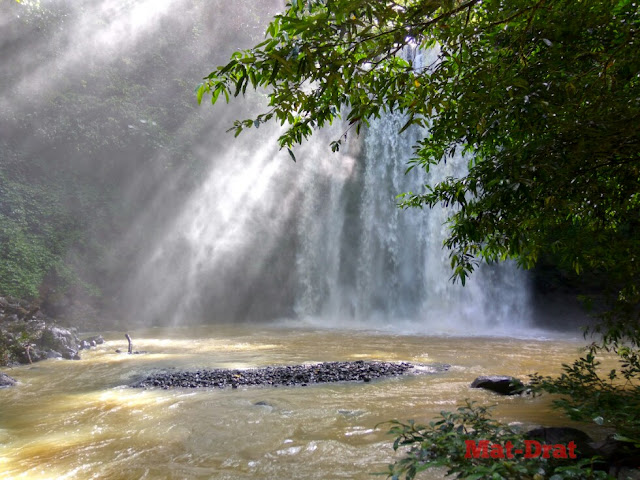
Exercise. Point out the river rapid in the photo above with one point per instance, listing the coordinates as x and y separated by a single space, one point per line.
80 420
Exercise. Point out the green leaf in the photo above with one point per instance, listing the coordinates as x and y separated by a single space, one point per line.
200 89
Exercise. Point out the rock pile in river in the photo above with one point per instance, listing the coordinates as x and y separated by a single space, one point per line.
301 375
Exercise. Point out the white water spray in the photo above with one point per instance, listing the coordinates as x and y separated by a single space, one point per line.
322 242
366 262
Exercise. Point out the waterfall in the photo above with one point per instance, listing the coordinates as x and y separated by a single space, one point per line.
320 242
364 261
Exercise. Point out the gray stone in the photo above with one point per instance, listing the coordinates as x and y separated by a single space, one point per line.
70 353
59 339
6 380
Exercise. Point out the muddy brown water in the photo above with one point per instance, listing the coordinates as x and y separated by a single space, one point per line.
80 420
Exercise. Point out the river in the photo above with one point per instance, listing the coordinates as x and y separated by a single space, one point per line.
80 420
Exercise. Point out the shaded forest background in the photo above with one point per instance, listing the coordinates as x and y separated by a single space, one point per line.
99 130
101 139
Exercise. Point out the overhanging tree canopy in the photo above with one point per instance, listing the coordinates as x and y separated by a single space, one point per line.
544 94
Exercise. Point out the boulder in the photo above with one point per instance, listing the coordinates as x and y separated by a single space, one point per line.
58 339
70 353
6 380
502 384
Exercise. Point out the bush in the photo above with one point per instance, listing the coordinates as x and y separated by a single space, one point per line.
608 397
443 443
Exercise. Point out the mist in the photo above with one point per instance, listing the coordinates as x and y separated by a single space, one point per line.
174 221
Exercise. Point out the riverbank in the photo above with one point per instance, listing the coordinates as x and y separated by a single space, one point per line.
28 335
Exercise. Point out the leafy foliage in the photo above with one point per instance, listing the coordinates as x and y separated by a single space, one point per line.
36 230
544 94
442 444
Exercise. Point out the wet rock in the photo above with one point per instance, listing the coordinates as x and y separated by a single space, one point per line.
295 375
70 353
58 339
29 335
6 380
502 384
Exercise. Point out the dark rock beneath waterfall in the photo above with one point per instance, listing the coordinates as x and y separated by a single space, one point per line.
6 380
502 384
295 375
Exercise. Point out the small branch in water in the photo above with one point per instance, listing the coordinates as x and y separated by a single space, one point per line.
130 344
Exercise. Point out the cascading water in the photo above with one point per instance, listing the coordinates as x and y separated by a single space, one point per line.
322 241
364 260
367 262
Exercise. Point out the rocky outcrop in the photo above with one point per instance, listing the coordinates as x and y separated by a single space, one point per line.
27 335
502 384
56 339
